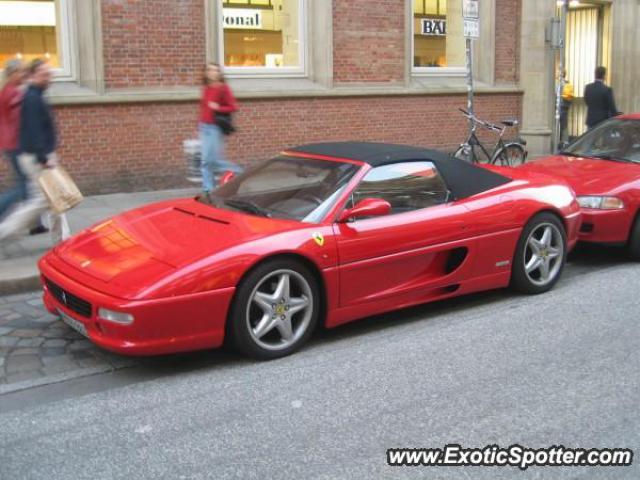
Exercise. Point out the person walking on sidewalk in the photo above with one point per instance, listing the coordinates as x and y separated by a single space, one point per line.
217 100
10 104
37 144
599 100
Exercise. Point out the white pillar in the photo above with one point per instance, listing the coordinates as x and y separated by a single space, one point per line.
536 76
625 55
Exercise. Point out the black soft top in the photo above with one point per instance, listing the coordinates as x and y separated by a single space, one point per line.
462 178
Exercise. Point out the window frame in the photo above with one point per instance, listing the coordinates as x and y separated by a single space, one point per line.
459 71
67 72
300 71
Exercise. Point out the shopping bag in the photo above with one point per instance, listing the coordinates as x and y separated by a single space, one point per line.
61 191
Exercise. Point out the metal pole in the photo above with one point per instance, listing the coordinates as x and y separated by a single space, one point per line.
470 83
560 81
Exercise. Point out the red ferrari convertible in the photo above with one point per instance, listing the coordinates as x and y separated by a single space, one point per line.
603 168
321 234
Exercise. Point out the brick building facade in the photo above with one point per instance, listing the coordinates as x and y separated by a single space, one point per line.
134 98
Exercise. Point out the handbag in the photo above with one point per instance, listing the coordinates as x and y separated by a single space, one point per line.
225 122
60 190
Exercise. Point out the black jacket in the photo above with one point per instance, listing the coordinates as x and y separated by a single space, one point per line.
37 128
600 103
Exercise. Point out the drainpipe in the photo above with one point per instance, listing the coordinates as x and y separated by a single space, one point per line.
564 10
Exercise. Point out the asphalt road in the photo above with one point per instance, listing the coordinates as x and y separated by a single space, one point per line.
496 368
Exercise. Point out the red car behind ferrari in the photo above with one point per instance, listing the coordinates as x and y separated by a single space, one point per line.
321 234
603 168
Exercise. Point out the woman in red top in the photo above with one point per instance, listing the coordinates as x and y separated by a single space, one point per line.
10 103
217 98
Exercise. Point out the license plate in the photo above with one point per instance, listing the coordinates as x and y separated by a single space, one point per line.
73 323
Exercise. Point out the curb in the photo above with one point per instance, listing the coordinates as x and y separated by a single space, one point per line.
61 377
23 284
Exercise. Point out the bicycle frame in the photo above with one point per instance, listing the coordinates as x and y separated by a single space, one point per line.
473 140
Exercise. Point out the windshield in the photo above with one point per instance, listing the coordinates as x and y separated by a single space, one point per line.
615 139
287 187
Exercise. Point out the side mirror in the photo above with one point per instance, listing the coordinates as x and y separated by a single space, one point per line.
367 207
226 177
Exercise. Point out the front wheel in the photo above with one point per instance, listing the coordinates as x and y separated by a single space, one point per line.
510 155
540 255
275 309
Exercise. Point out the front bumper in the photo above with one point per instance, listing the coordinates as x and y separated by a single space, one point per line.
605 226
160 326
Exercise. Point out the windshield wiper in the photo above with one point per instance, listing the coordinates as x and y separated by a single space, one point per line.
570 154
614 159
248 206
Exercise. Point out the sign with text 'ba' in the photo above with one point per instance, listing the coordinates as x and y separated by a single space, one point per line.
241 18
434 27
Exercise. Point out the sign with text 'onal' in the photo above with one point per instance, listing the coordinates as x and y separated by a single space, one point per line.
434 27
241 18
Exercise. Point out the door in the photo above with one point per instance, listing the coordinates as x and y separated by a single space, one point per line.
408 251
588 44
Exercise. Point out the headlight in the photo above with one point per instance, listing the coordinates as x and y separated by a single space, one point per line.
116 317
601 203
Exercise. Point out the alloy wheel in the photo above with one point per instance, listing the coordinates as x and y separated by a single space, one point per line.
544 253
279 309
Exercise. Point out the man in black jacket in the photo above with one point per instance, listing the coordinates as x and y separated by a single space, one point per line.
37 144
599 100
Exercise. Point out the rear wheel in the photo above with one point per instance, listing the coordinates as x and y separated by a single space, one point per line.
510 155
540 255
634 240
275 309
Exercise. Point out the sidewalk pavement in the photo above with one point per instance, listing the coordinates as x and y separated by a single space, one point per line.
36 348
18 260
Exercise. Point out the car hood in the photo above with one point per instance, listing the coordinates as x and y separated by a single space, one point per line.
136 248
587 176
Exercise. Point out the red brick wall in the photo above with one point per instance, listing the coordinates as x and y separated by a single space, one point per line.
153 43
368 40
138 146
132 147
507 65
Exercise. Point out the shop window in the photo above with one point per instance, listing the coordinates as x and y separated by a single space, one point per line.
262 36
438 40
36 29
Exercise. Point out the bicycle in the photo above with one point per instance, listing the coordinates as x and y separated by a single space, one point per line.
507 154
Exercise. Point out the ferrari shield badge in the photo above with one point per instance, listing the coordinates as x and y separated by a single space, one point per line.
318 238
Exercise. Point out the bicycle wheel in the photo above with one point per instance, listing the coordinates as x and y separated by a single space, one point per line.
465 153
510 155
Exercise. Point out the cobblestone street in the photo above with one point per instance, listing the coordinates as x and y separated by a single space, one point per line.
37 348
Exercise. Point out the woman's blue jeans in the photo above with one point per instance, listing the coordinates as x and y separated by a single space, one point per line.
18 192
213 161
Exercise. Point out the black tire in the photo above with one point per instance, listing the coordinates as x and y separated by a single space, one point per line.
511 155
634 240
525 282
243 316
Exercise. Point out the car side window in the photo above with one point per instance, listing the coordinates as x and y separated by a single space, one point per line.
406 186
